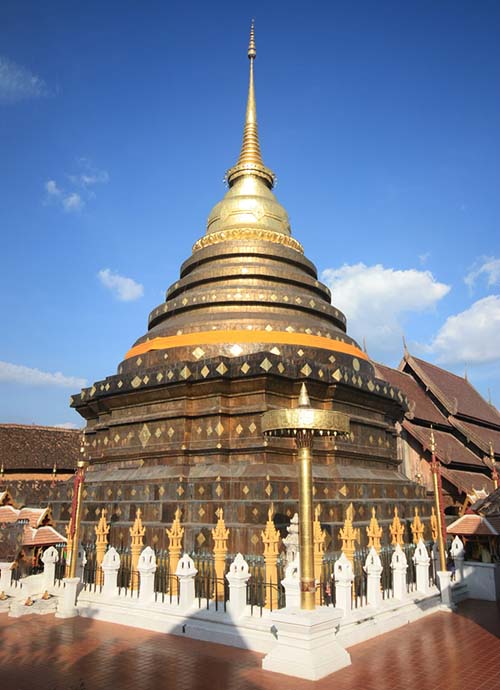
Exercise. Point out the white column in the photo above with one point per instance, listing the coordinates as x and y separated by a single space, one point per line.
5 576
237 577
458 554
147 570
186 573
399 566
110 566
373 570
422 560
81 560
444 580
49 559
344 577
66 607
291 583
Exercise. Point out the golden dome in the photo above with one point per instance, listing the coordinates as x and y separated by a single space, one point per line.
249 204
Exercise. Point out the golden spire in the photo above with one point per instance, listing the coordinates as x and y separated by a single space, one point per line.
250 161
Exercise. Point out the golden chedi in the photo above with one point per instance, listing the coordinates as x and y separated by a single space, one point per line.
179 424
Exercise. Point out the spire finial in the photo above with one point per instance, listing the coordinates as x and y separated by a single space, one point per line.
250 161
433 441
304 397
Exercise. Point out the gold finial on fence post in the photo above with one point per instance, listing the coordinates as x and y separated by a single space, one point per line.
374 532
434 525
397 529
417 528
175 535
271 538
319 538
349 535
137 532
220 536
101 542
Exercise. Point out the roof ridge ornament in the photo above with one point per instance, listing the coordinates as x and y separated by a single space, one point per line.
250 160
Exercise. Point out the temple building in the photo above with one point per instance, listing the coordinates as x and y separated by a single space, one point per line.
246 322
466 429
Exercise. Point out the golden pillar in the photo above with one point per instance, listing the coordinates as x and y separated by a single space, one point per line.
374 532
434 525
494 471
302 424
69 547
397 529
137 532
174 535
319 538
271 539
417 528
76 514
101 542
438 501
220 536
349 535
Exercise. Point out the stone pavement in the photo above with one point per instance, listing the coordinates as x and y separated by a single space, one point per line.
445 651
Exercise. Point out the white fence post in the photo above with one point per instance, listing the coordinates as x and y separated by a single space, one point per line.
238 577
5 576
186 573
147 570
399 566
110 566
373 570
422 560
291 583
458 555
344 577
49 559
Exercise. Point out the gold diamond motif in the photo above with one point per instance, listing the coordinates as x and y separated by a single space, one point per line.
371 387
286 490
106 441
158 432
245 489
268 489
235 350
92 391
201 490
200 539
133 492
110 492
306 370
201 512
210 431
255 512
136 382
159 376
205 371
219 429
119 384
170 431
185 372
219 490
320 373
221 369
300 352
138 361
337 375
281 367
252 428
268 328
325 491
116 438
265 364
331 359
146 379
198 352
239 429
179 491
343 490
170 375
254 539
275 350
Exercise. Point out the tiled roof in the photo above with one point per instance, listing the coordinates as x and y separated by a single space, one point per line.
470 525
420 405
35 516
8 514
482 436
43 536
448 448
489 506
456 392
467 482
38 447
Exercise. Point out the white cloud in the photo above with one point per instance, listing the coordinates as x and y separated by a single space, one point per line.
490 268
52 188
375 300
67 425
73 202
125 289
17 373
19 84
472 336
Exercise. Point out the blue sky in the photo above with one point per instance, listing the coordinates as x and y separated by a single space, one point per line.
119 120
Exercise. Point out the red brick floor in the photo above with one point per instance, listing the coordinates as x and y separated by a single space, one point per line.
445 651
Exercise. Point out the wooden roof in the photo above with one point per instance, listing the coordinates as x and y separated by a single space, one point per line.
38 447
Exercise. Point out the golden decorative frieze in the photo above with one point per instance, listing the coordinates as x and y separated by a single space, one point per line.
248 234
